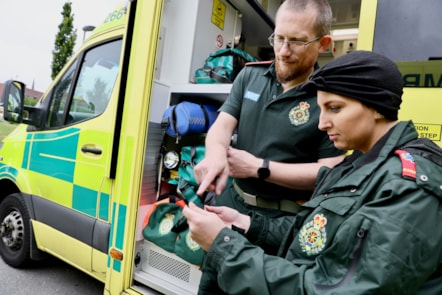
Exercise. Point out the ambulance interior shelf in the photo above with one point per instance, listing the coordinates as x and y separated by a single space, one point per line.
211 94
204 93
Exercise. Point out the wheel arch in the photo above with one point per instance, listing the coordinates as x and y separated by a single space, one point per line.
8 187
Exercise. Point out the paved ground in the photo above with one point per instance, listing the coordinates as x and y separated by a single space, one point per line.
53 277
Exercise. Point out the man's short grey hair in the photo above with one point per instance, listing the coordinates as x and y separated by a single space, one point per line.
324 15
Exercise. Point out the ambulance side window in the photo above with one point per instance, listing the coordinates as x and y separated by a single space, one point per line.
95 81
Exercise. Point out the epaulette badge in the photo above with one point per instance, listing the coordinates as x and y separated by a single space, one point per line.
408 164
259 63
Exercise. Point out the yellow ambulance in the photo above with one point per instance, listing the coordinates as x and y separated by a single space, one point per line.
84 166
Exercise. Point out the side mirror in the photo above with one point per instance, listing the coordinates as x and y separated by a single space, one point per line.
13 98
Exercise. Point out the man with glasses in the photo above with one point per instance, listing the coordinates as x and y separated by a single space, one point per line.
279 148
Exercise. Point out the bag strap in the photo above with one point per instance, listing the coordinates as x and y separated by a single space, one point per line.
234 51
221 52
192 155
174 124
217 77
243 54
187 193
191 160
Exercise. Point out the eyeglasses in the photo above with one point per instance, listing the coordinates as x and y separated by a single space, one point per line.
279 42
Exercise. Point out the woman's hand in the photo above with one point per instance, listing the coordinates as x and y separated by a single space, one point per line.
205 225
230 216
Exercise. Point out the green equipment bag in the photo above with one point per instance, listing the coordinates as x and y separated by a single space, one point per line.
165 226
187 185
160 221
223 66
190 156
188 249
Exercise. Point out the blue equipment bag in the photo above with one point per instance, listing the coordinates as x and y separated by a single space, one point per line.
188 118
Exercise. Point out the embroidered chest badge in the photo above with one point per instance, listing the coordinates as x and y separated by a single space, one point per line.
166 224
300 114
313 236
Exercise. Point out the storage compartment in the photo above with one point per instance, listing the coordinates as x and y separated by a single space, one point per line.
156 268
184 44
187 41
165 271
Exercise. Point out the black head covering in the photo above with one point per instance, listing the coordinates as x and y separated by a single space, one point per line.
371 78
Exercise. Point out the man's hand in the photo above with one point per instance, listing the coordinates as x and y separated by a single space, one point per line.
213 171
212 174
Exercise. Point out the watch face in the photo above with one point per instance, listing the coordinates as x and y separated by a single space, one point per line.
263 173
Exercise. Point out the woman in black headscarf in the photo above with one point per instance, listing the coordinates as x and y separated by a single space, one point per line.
373 223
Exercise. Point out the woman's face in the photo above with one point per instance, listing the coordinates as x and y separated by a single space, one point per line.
350 124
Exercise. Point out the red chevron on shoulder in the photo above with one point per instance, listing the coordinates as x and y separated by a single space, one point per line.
259 63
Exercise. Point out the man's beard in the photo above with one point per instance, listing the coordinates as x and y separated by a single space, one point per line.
286 74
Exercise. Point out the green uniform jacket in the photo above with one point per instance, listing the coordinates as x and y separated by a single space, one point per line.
367 230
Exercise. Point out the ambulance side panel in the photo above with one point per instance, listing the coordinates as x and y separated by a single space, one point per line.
409 33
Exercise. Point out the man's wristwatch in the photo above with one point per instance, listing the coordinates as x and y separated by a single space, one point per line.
264 171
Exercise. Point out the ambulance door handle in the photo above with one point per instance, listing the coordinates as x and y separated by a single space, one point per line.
92 150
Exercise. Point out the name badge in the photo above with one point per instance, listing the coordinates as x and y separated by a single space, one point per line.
251 95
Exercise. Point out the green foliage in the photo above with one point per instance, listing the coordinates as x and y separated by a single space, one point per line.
30 101
64 40
99 96
5 129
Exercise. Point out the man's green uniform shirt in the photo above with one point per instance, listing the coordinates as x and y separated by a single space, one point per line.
281 127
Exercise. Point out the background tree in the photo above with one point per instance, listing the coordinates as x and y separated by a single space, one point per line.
64 40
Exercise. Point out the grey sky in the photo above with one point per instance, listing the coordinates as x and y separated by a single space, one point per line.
27 34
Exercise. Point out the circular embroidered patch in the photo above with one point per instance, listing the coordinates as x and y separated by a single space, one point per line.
191 243
300 114
313 236
166 224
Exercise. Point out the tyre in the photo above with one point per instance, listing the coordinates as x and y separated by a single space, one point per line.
14 231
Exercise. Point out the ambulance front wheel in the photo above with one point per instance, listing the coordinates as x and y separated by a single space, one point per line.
14 231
